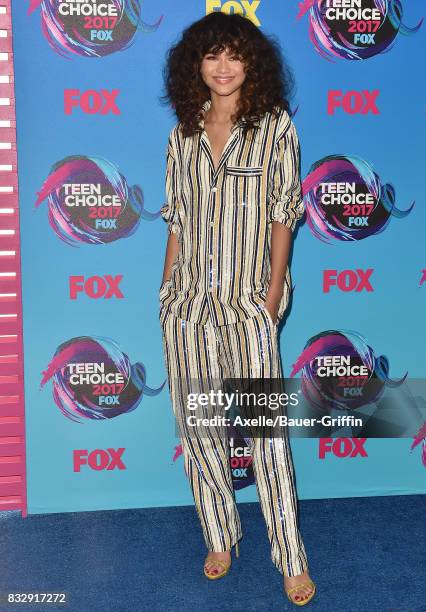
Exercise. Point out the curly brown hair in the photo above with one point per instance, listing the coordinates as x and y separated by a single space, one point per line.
268 84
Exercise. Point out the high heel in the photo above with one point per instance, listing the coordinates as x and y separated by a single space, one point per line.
225 566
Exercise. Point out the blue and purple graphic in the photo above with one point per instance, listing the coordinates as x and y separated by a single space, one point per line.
90 29
93 379
345 199
339 370
354 29
90 202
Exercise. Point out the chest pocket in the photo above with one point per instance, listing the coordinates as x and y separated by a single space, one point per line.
244 188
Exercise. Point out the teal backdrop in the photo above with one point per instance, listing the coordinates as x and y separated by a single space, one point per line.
50 61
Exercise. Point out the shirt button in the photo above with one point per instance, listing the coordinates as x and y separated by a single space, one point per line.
212 223
214 189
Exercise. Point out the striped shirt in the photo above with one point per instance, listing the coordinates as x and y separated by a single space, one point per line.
223 218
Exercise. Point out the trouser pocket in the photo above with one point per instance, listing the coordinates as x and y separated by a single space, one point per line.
267 315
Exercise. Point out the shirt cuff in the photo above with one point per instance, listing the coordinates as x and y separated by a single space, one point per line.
169 213
286 213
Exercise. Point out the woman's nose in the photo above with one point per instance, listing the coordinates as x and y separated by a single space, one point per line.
223 65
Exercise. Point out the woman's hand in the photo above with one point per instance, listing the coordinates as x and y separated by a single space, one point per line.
172 251
272 302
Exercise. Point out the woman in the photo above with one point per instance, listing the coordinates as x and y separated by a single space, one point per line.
233 200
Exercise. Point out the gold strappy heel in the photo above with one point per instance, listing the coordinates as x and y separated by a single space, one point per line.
225 566
296 588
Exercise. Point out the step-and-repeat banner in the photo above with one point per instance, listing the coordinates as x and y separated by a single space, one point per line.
92 137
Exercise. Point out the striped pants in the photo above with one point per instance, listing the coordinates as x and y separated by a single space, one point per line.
246 349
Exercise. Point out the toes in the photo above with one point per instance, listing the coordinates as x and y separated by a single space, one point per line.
211 567
302 593
214 566
300 597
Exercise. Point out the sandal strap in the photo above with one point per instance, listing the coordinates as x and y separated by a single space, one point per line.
299 586
218 562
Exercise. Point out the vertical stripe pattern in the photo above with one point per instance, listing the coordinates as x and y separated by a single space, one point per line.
245 349
223 218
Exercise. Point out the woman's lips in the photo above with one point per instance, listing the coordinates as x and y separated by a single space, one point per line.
223 80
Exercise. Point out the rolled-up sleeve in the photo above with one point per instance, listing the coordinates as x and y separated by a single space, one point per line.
285 202
169 210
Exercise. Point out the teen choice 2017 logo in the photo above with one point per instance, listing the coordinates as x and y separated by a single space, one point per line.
90 202
354 29
93 379
345 199
339 370
240 459
91 28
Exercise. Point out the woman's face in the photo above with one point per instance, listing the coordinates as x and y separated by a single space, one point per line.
223 73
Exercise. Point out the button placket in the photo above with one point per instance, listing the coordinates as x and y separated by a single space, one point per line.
210 240
215 174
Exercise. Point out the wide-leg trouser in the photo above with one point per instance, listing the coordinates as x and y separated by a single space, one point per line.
246 349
